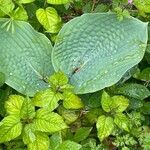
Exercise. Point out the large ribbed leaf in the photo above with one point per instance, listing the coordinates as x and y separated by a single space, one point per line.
25 56
95 50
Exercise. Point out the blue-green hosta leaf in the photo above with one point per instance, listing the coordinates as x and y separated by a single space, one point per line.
25 57
105 126
58 1
122 121
47 99
50 19
69 145
10 128
2 79
47 121
95 50
14 104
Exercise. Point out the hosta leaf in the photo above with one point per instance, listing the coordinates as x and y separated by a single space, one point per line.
2 79
6 6
25 57
49 18
47 99
69 145
106 102
20 14
14 104
47 121
27 110
122 121
72 101
58 1
10 128
134 90
120 103
41 142
82 133
95 50
105 126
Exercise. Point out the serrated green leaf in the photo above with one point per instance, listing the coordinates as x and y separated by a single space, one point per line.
50 19
119 103
28 134
6 6
20 14
122 121
55 141
81 134
143 5
25 56
47 99
95 63
106 102
72 101
25 1
105 126
69 145
41 142
47 121
58 1
10 128
27 110
14 104
134 90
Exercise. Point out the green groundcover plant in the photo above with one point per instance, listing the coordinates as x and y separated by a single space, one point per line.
74 75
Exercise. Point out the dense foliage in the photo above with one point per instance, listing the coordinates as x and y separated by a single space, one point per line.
74 75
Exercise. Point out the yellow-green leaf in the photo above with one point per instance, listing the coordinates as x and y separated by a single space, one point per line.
10 128
47 121
106 102
14 104
50 19
72 101
122 121
105 126
47 99
58 1
120 103
25 1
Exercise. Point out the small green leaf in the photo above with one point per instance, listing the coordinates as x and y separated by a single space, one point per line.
69 145
47 121
27 110
10 128
120 103
6 6
47 99
58 1
55 141
144 75
50 19
58 79
105 126
72 101
41 142
82 133
14 104
122 121
20 14
134 90
106 102
25 1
